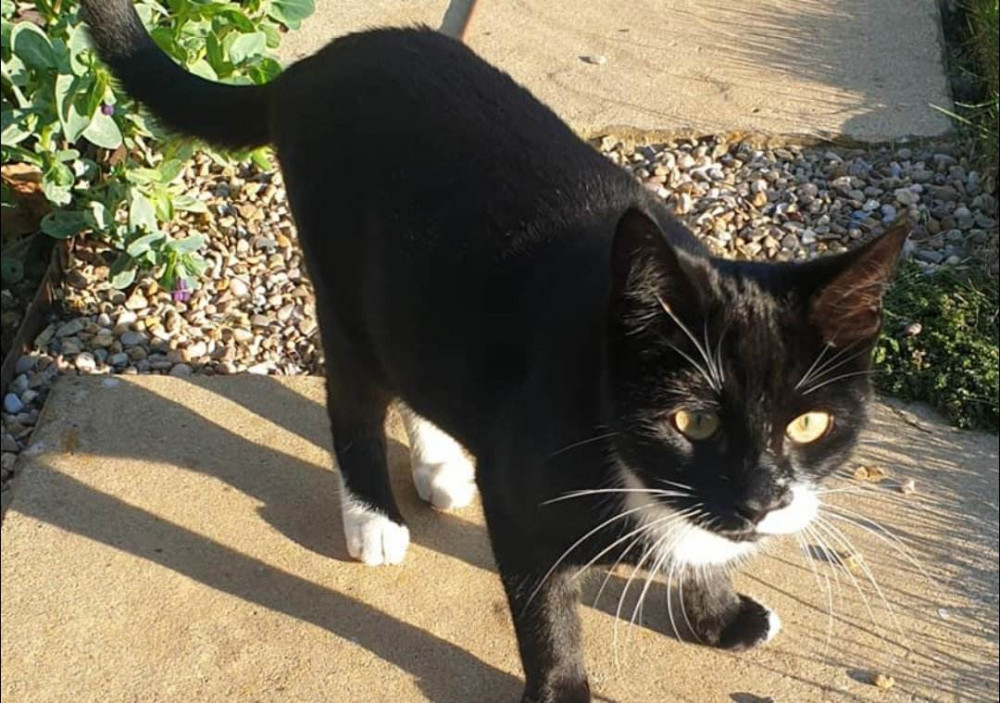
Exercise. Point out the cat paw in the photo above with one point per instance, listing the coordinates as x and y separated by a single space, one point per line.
755 624
372 537
446 486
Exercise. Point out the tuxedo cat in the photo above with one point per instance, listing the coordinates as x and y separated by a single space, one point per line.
626 396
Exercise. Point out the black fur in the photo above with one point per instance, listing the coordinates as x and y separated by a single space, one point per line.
476 259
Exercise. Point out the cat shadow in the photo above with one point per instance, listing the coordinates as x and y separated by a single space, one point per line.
656 607
298 497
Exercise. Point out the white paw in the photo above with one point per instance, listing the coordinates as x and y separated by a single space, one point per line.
446 486
372 537
773 625
443 474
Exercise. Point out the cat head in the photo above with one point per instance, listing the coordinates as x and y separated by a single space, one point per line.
738 387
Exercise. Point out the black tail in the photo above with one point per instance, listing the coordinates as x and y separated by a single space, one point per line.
226 115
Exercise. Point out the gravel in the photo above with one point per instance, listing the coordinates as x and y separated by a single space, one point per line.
254 312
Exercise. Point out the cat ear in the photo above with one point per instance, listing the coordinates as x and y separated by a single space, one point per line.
847 306
647 269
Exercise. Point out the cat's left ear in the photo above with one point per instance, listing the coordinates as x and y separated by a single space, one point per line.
647 269
847 305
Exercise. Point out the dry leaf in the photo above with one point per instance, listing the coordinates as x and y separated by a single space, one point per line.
873 474
883 681
853 563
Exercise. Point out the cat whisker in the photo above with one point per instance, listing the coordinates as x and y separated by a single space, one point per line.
576 544
581 443
844 542
829 591
808 374
650 551
670 519
703 352
661 521
878 531
815 374
598 491
682 486
841 377
680 598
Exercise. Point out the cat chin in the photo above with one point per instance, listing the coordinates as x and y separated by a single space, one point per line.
682 543
679 541
793 518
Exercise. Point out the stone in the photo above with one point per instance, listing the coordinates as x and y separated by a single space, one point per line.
12 404
133 339
71 328
25 363
85 362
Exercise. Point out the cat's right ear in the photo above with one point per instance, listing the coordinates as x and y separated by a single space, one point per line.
647 270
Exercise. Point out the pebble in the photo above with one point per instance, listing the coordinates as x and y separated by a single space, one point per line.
85 362
25 363
8 443
12 404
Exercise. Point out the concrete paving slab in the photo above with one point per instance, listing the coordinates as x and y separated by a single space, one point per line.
179 540
855 69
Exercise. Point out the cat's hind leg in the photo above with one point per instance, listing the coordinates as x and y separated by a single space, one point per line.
373 526
444 476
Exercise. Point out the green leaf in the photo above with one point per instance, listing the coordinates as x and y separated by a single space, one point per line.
246 46
122 272
32 46
79 43
163 203
67 89
100 216
143 176
141 245
261 158
204 69
12 127
291 12
14 70
141 214
63 224
75 123
170 169
11 270
188 203
187 245
103 131
57 181
194 266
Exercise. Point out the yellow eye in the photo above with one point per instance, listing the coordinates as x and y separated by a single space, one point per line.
808 427
696 425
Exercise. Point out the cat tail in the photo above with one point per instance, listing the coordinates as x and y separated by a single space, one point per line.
230 116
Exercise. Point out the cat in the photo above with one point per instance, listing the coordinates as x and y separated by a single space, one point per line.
626 396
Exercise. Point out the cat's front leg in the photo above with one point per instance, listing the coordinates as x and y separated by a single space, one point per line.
721 617
548 634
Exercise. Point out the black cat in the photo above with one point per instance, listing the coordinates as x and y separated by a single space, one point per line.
626 396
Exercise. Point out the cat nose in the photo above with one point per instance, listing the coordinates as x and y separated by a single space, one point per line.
756 509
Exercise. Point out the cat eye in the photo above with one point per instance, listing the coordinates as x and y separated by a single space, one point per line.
808 427
696 425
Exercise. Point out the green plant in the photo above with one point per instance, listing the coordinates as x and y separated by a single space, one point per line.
952 363
103 165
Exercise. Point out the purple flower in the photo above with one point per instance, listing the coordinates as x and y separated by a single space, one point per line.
108 110
181 293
